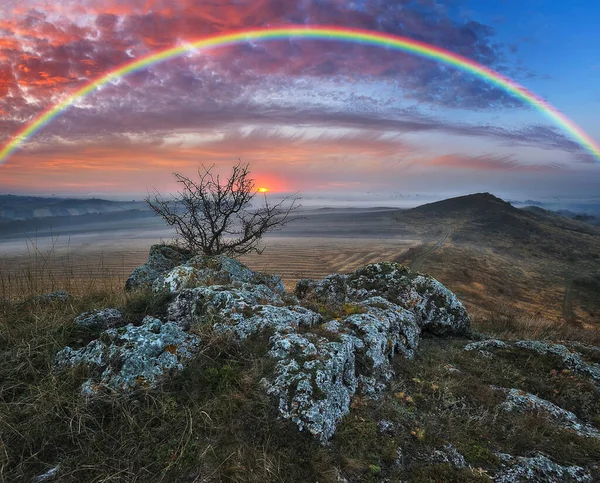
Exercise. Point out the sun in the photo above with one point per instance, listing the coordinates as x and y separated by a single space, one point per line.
263 190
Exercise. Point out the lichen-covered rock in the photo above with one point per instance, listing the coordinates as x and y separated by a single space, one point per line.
337 338
570 358
387 329
316 376
520 401
482 346
386 427
161 259
281 319
485 344
220 304
331 290
539 468
100 319
314 380
130 357
450 455
204 271
436 308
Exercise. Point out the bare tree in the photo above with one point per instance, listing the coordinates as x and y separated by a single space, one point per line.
213 218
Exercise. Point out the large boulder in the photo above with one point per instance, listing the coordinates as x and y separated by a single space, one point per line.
437 309
204 271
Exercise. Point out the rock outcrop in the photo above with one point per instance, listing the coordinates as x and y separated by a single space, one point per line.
524 402
161 259
129 358
538 468
100 319
334 339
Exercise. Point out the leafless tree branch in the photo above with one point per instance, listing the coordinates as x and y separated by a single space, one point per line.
214 218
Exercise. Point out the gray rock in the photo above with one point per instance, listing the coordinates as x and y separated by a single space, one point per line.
520 401
314 380
281 319
485 344
130 357
100 319
386 427
437 310
450 455
318 369
331 290
316 377
570 358
57 296
49 475
539 468
219 304
161 259
204 271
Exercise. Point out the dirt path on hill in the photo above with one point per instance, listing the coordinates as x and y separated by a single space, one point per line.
417 263
567 305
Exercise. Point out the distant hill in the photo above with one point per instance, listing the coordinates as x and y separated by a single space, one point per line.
13 207
482 217
492 252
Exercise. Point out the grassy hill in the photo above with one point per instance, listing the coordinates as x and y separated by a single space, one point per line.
495 254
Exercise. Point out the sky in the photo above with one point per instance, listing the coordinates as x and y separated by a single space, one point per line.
315 116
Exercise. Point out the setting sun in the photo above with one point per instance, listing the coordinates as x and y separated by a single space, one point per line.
263 190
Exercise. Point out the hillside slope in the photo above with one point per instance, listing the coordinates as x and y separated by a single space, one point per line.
501 255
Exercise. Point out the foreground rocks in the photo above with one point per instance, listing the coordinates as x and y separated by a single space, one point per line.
130 357
538 468
332 339
524 402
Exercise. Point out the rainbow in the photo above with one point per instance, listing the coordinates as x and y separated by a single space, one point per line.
317 32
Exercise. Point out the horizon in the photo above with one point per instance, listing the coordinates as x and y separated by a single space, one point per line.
308 115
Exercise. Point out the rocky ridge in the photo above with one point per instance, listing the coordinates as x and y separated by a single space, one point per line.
332 339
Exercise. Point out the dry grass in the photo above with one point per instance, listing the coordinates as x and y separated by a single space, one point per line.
45 269
508 322
214 422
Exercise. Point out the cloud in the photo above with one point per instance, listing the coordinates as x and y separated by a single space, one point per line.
488 162
58 46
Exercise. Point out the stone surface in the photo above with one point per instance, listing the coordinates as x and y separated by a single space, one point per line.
538 468
386 427
314 380
231 306
437 310
204 271
485 344
520 401
570 358
450 455
161 259
57 296
100 319
130 357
